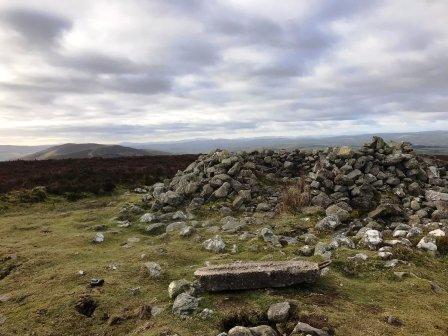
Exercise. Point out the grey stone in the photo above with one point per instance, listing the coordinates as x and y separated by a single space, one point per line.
215 244
279 312
154 270
330 222
185 304
308 330
263 330
255 275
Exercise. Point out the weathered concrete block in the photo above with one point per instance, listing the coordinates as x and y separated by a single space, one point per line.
254 275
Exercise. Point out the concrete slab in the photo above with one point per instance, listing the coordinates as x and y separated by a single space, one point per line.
255 275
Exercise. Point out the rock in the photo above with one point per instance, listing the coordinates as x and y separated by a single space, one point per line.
186 231
179 215
437 233
434 196
321 200
336 210
231 224
372 238
154 270
322 249
255 275
176 226
279 312
239 331
98 238
185 304
359 257
391 263
395 321
171 198
306 250
269 237
206 314
156 228
307 329
427 244
263 207
96 282
330 222
263 330
222 191
147 218
215 244
177 287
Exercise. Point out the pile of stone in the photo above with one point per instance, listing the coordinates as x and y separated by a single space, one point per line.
238 177
378 196
278 315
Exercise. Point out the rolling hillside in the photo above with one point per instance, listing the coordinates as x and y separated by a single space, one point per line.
89 150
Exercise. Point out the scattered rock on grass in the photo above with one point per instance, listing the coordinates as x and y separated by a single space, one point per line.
279 312
154 269
185 304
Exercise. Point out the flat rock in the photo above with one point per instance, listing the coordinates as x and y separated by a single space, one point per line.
254 275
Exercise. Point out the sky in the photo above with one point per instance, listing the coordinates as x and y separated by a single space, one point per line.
159 70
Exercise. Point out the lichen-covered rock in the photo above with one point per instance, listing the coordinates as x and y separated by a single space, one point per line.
330 222
185 304
215 244
279 312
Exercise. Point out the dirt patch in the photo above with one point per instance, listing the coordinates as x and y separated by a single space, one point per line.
86 305
372 309
324 299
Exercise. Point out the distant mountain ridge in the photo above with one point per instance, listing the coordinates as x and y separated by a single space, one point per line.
431 142
435 142
10 152
88 150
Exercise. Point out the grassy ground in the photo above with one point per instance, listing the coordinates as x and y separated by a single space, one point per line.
43 246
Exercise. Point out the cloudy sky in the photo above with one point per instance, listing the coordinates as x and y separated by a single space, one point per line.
144 70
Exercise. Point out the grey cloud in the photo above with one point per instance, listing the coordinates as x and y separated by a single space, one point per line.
286 87
97 63
37 28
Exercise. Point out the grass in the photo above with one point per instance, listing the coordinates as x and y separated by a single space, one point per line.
48 243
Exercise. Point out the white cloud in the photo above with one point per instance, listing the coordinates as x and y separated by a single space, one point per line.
149 70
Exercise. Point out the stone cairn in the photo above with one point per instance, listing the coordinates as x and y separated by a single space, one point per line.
378 197
381 189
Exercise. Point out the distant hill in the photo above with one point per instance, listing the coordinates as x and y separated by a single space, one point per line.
88 150
8 152
432 142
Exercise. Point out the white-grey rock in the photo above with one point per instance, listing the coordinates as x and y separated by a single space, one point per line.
154 270
215 244
98 238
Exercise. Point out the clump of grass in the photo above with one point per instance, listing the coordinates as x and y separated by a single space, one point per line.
35 195
402 252
294 197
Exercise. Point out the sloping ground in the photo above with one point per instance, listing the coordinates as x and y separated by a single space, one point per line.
88 150
44 246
